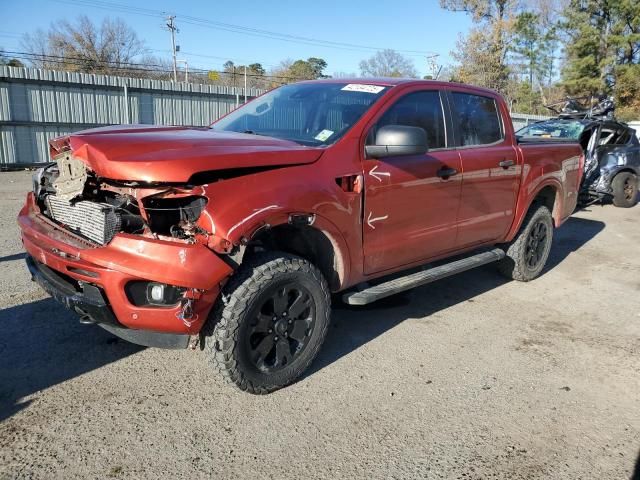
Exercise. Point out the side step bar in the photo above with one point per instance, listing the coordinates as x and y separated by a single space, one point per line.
413 280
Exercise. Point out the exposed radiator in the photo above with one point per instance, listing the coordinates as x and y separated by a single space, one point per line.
96 221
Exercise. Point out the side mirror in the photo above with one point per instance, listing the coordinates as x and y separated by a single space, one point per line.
393 140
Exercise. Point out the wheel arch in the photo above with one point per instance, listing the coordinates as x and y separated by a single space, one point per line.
626 168
318 243
548 194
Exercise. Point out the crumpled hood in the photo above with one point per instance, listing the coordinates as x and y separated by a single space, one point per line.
173 154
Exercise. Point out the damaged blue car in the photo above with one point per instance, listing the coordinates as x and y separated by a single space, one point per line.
612 150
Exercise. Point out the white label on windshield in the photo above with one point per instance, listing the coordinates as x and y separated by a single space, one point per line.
359 87
324 135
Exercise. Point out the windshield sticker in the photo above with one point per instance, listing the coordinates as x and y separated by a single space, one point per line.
324 135
358 87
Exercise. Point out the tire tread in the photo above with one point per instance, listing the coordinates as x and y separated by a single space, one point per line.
513 265
222 329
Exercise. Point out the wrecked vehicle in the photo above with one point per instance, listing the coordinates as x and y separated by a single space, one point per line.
612 150
232 238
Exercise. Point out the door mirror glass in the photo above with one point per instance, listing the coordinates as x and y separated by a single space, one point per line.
395 140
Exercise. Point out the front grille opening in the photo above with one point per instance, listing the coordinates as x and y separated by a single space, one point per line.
95 221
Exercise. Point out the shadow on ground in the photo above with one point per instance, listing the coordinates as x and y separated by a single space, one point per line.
352 327
635 475
9 258
43 344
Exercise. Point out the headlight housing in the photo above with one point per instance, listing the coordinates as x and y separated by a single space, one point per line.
168 213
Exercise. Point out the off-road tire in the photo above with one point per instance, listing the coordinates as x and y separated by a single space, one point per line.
514 265
223 336
625 190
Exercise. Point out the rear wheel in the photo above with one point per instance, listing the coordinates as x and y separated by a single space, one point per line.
271 323
625 190
527 254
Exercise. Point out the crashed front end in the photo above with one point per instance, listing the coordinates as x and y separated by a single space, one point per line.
137 258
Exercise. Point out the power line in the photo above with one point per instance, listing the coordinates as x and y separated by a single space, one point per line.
202 22
123 66
18 35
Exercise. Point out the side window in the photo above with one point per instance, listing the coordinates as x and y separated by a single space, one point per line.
478 120
418 109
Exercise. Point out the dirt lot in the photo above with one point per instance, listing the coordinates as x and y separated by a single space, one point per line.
472 377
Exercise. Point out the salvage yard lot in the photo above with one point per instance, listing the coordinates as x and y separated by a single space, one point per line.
470 377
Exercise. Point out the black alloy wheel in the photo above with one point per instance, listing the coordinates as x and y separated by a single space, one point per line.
281 327
536 244
269 322
527 254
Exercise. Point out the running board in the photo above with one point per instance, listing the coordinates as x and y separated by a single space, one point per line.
397 285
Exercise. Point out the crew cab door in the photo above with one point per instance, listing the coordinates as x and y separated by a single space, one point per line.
411 201
491 168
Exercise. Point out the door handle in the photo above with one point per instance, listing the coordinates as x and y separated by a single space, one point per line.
506 163
446 172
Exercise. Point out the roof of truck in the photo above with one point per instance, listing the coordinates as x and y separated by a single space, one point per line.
393 81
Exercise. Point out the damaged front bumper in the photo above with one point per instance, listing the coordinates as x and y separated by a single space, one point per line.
93 280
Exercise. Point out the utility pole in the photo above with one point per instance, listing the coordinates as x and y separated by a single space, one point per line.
432 65
173 29
245 84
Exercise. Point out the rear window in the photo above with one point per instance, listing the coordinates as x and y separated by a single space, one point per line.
478 119
555 128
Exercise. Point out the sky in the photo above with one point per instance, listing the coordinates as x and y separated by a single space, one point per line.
414 27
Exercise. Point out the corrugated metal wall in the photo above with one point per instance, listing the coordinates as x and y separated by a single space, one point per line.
37 105
522 119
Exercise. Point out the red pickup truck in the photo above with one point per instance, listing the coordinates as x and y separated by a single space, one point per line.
233 237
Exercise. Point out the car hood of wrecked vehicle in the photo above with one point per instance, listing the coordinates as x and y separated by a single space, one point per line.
174 154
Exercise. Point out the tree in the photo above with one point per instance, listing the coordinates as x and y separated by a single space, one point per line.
387 63
309 69
294 71
9 62
233 75
82 46
533 50
482 54
603 50
479 62
627 92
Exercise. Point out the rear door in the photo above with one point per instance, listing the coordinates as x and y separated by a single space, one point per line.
491 168
410 206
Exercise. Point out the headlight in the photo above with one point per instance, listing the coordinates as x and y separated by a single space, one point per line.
167 213
145 294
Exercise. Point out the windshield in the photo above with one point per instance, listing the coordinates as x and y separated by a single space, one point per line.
311 114
557 128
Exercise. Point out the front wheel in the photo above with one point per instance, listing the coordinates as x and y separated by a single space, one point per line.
270 323
625 190
527 254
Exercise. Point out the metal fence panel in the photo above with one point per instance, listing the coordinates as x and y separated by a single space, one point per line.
521 120
5 112
37 105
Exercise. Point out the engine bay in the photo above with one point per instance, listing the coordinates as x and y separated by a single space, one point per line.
97 209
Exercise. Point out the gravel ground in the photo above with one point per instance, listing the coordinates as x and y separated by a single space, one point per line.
471 377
